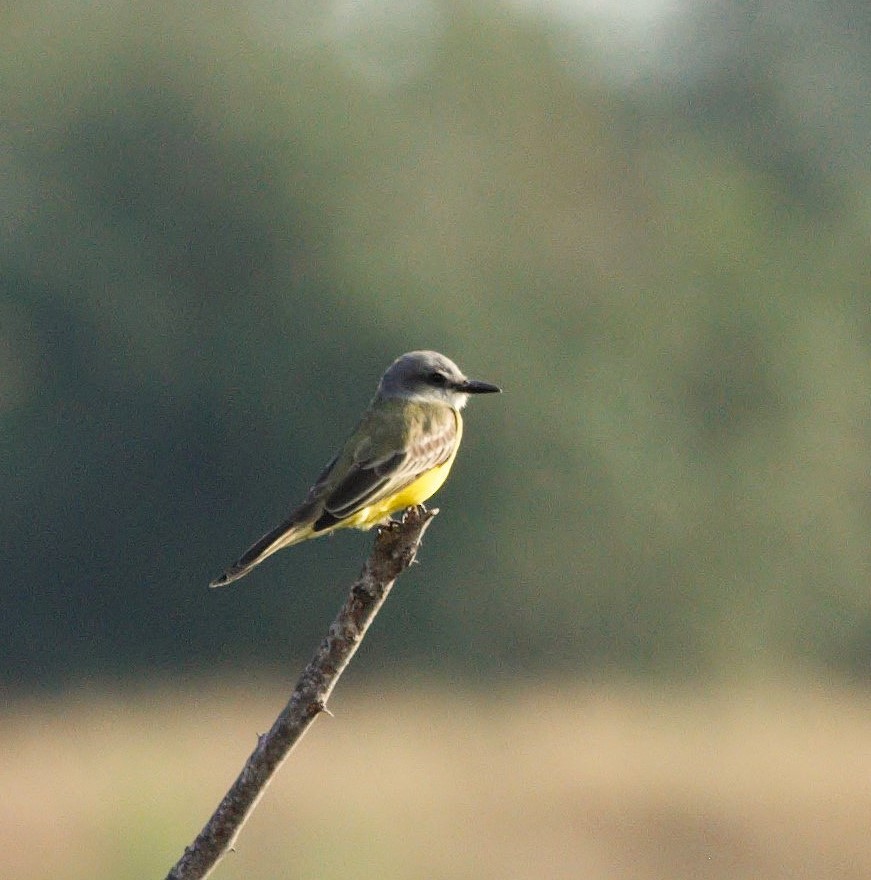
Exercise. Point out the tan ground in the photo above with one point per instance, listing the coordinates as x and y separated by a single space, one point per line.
564 782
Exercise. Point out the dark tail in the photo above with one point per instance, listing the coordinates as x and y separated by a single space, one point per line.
297 527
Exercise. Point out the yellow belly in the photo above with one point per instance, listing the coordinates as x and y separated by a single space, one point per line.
415 493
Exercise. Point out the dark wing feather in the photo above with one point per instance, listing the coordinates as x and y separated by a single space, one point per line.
371 480
363 482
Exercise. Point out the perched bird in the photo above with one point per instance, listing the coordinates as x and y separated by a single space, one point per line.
399 454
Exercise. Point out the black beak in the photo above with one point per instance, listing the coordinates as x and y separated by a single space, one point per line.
473 386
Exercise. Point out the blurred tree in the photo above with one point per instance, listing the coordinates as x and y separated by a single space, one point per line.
220 226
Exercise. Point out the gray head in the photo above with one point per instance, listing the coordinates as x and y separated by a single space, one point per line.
430 377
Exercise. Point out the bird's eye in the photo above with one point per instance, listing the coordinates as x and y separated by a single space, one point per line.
438 379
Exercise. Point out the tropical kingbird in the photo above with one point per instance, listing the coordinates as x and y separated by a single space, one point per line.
398 456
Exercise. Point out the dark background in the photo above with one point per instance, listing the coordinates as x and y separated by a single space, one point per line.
218 225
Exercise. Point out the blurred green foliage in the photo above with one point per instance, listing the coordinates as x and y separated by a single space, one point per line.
220 224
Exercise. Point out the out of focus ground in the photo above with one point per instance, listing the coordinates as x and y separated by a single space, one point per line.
761 782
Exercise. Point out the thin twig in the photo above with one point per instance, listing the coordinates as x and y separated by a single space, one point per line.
395 549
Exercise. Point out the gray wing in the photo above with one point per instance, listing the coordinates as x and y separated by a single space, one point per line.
372 479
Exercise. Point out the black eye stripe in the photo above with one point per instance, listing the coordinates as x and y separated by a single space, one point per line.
436 378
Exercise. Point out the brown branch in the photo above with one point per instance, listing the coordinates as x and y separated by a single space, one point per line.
395 549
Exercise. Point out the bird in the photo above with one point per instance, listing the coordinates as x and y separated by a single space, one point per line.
398 456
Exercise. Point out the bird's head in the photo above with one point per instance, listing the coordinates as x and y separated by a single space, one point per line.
430 377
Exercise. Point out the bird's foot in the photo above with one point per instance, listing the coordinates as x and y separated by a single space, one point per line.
389 525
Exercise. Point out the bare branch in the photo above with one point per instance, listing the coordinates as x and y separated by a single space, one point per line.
395 549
